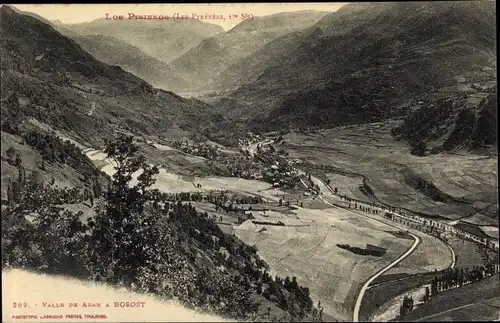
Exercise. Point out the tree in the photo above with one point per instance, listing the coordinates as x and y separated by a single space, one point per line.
259 288
10 192
418 148
91 197
86 194
18 161
21 174
11 152
121 228
434 286
287 282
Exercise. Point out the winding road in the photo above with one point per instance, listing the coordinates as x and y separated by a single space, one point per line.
416 242
251 149
357 306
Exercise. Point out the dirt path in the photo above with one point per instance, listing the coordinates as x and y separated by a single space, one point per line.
450 310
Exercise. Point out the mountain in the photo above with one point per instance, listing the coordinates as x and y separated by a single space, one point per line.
116 52
49 77
49 185
464 122
361 63
164 40
201 64
57 24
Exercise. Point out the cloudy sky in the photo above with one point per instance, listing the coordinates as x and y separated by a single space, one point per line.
75 13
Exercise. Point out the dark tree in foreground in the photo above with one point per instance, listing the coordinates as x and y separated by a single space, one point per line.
117 236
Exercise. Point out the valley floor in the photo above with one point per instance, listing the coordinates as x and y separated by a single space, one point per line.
365 163
306 245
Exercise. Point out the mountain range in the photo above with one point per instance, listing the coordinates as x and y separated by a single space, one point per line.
164 40
117 52
202 64
360 64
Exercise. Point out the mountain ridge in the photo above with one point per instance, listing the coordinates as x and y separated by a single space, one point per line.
201 64
117 52
48 76
361 62
164 40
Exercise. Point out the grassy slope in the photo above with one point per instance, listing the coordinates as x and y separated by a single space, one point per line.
63 175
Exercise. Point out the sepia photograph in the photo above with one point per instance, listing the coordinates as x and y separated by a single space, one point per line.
249 162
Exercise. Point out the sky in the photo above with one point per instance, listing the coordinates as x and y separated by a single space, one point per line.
77 13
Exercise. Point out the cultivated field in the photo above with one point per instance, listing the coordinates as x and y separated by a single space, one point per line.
306 248
469 181
174 183
469 253
430 254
